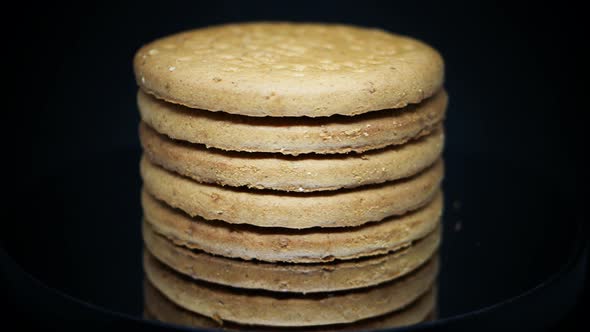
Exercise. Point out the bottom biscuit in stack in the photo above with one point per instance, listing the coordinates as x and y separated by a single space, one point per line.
158 307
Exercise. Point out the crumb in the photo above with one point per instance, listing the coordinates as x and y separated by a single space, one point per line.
283 242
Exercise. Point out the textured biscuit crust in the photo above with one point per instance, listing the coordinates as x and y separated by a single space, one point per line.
302 174
287 245
289 69
293 136
158 307
281 309
270 208
294 278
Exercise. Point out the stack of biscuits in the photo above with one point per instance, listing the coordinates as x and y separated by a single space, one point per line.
291 176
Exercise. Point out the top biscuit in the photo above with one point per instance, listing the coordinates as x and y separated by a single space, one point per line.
289 69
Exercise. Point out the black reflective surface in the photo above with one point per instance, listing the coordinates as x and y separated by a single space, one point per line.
501 238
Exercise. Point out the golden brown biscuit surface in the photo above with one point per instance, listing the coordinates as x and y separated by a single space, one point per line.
270 208
302 174
289 69
293 136
295 278
287 245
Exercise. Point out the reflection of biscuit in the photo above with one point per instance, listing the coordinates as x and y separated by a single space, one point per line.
335 134
158 307
288 69
268 208
287 245
299 278
302 174
284 309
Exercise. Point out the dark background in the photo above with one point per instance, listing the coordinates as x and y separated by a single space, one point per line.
513 72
